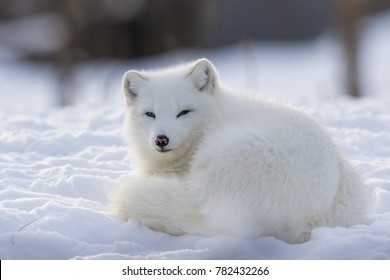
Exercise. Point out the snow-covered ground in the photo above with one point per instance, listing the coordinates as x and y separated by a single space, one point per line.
57 166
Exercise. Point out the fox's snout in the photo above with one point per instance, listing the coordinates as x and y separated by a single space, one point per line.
161 140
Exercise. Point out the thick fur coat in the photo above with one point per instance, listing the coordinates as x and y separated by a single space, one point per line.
209 160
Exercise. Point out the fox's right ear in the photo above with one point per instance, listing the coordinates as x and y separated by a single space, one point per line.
133 81
203 75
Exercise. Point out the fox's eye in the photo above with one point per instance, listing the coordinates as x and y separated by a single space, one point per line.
182 113
150 115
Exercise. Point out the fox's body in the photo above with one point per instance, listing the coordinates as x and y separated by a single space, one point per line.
209 161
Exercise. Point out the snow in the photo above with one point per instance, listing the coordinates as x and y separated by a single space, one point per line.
58 165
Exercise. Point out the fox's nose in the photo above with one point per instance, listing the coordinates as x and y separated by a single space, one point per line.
161 140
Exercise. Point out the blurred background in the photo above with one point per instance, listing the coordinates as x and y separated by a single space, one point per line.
53 52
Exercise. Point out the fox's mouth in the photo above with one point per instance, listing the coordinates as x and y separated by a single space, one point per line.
164 150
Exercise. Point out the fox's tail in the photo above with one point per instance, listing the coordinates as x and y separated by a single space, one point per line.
161 203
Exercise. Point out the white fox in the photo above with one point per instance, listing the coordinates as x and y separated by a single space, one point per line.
209 160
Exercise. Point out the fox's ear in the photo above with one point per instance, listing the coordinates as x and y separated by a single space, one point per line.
203 75
133 81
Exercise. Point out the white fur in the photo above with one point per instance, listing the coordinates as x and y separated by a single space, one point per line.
238 164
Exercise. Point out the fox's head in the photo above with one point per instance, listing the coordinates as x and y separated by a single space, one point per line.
168 109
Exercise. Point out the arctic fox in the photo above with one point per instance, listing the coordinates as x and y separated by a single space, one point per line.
209 160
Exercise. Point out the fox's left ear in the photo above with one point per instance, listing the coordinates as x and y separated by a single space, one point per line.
203 75
132 82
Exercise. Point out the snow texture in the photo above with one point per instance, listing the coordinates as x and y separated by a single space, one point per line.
57 166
